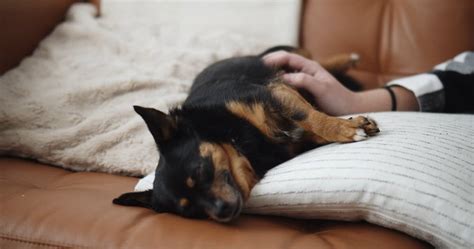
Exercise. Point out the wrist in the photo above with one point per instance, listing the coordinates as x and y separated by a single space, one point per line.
347 103
380 100
406 99
354 103
376 100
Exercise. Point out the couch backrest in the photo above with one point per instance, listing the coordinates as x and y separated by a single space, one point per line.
24 24
393 37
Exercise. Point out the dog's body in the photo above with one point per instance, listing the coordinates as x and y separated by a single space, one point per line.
227 99
239 121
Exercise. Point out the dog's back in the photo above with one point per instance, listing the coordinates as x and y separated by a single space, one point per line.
237 78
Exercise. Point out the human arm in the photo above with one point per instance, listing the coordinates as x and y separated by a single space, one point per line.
330 95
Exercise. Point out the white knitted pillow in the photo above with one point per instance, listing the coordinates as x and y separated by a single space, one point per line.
416 176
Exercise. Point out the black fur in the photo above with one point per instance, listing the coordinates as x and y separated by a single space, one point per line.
203 117
239 79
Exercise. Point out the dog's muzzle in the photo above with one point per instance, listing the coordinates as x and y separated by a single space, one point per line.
224 211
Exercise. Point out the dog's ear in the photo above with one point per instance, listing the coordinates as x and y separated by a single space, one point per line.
139 199
160 125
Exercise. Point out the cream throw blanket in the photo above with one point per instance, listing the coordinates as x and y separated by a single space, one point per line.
70 103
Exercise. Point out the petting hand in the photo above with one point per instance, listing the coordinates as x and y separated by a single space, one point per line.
330 95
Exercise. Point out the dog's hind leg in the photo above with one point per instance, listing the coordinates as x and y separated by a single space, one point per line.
319 127
340 63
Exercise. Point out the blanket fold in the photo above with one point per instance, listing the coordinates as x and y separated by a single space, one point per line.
70 103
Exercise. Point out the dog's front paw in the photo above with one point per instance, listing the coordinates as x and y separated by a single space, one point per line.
364 127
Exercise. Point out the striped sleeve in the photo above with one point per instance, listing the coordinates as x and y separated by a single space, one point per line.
448 88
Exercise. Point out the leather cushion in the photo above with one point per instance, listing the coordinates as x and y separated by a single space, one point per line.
393 38
43 206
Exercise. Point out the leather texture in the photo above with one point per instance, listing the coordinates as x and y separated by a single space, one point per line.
24 24
394 38
47 207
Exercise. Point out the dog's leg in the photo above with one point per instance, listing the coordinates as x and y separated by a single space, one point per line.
340 63
321 127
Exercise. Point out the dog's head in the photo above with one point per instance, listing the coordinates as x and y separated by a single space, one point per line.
194 178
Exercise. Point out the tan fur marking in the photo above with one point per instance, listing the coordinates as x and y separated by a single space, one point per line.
288 95
205 149
321 127
190 182
217 154
256 115
225 157
223 192
339 63
183 202
317 123
220 162
241 170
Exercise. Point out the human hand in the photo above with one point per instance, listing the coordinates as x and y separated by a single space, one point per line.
330 95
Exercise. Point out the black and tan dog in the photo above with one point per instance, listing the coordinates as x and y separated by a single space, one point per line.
239 120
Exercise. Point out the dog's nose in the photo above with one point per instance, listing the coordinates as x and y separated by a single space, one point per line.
223 209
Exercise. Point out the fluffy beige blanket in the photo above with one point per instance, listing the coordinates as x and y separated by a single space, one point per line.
70 103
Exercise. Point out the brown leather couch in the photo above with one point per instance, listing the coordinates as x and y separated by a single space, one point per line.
47 207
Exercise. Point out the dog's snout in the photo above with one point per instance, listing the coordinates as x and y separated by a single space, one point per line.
223 209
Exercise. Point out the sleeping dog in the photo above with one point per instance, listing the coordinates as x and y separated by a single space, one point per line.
239 120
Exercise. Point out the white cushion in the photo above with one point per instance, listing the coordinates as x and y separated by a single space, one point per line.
416 176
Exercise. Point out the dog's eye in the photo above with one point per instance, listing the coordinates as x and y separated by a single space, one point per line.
204 172
198 173
200 178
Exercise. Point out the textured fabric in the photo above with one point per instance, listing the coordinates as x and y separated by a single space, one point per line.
463 63
416 176
427 89
277 21
449 88
70 103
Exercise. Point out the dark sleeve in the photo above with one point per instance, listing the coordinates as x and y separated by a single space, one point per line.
449 88
458 91
428 90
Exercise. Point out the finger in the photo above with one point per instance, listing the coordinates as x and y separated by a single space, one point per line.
294 61
299 80
275 59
